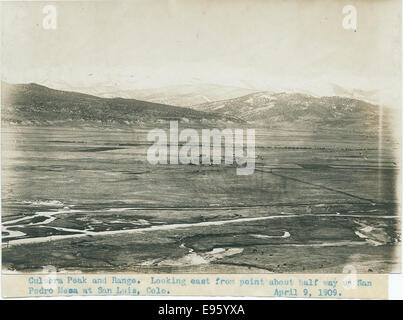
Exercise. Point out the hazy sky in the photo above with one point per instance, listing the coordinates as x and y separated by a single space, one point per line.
289 44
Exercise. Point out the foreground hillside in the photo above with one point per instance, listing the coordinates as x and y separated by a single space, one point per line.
36 104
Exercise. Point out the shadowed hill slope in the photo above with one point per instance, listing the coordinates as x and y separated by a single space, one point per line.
36 104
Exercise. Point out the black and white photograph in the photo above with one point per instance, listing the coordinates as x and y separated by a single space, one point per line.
201 137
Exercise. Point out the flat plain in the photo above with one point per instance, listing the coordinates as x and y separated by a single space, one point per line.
86 199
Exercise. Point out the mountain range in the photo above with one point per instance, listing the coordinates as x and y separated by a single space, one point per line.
176 95
290 110
37 104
